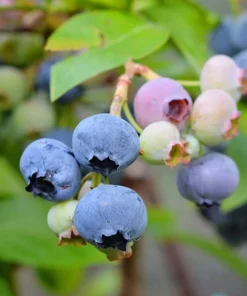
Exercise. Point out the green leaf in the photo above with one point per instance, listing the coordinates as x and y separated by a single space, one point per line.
189 26
127 37
237 151
27 239
60 280
91 29
12 184
5 287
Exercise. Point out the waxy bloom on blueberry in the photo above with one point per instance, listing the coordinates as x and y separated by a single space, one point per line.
111 218
161 144
221 72
239 32
208 179
214 117
60 221
50 170
162 99
104 143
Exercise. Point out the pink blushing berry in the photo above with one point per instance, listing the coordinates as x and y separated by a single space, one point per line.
214 117
162 99
221 72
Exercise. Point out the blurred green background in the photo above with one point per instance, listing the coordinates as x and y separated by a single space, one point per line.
180 253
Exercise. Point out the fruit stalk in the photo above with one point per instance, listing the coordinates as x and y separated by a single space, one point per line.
131 118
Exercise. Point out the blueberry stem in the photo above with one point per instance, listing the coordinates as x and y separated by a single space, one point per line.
192 83
89 176
131 118
121 94
135 69
96 180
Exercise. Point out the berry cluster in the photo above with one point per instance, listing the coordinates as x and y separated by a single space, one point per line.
173 130
229 38
109 217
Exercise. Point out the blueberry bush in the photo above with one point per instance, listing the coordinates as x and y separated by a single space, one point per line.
87 90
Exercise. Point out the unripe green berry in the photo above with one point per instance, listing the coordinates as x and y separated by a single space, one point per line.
192 144
60 217
34 116
21 49
160 144
13 86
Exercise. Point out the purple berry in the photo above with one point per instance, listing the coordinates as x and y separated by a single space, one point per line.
208 179
162 99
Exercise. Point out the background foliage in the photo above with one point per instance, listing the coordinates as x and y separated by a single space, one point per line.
168 36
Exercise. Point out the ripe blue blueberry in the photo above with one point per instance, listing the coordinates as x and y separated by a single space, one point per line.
220 39
43 76
104 143
111 216
239 36
241 59
208 179
50 170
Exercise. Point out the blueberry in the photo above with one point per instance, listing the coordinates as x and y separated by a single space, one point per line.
221 148
209 179
63 135
60 134
220 39
50 170
233 229
43 76
211 213
33 116
104 143
241 60
60 216
162 99
21 49
239 35
221 72
13 86
161 144
214 117
110 216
